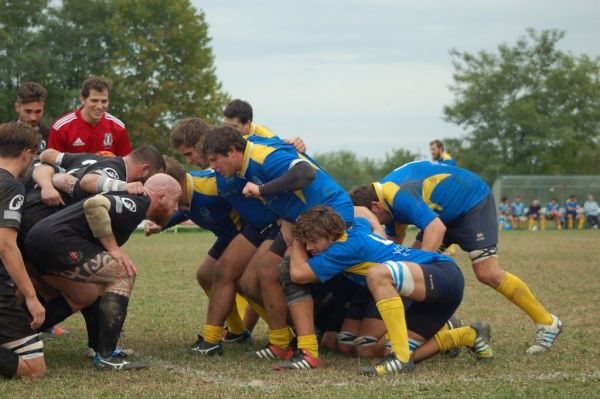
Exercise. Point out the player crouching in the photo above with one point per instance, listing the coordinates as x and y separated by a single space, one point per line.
432 283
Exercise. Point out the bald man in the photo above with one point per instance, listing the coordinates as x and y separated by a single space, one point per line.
85 260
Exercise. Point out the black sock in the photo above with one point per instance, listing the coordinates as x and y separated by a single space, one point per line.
91 315
57 309
113 310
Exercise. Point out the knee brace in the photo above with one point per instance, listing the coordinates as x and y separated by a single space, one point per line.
365 340
346 338
403 279
293 292
481 254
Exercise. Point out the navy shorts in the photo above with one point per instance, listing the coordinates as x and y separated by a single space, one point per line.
362 306
476 229
279 246
219 246
257 237
445 285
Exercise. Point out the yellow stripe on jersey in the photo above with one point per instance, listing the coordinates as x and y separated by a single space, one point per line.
385 194
362 268
190 188
343 238
429 185
255 152
446 156
300 195
261 131
235 218
205 185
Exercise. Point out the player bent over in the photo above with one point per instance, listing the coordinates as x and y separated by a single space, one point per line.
431 281
21 350
84 260
454 206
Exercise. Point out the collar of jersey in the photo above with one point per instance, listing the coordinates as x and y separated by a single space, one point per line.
380 197
246 160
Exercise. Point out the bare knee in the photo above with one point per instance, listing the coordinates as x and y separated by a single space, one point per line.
34 368
378 275
488 272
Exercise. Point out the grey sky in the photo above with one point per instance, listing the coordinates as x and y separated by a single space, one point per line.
369 76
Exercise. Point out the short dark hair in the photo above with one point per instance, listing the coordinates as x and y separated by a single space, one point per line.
319 221
188 132
97 83
174 169
30 92
16 137
150 155
438 144
242 110
220 140
363 195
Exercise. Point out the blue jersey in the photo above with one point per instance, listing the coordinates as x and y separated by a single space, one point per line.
206 208
252 210
263 163
518 208
419 192
359 249
447 159
552 207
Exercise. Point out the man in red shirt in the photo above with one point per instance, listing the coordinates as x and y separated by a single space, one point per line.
90 128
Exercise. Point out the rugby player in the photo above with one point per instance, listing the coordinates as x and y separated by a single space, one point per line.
289 184
451 205
21 350
90 128
84 260
439 153
433 283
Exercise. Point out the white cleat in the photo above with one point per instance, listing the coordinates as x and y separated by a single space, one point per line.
545 336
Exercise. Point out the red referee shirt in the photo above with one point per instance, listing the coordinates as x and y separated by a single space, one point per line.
70 133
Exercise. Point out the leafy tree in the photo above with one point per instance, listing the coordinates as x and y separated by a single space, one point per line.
530 108
162 68
20 58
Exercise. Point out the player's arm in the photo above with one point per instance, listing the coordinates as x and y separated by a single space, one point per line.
364 212
300 175
300 270
51 156
43 176
94 183
433 235
13 262
98 218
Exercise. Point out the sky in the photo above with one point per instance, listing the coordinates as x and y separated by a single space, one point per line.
370 76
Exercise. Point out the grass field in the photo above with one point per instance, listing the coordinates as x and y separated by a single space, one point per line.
167 309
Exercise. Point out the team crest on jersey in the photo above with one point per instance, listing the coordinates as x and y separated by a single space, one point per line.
129 204
108 140
110 172
16 202
74 256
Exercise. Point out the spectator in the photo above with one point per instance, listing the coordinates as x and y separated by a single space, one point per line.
518 212
505 219
590 210
534 213
553 213
571 210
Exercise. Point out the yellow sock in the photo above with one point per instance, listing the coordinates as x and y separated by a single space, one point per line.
234 322
280 337
259 310
240 303
518 293
212 334
450 339
581 223
530 224
392 313
310 344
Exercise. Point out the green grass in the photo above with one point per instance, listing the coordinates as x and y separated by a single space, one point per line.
167 309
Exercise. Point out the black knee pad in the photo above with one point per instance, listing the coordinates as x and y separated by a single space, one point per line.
9 362
293 292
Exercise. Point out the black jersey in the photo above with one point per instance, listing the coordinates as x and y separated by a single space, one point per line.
12 200
69 225
77 165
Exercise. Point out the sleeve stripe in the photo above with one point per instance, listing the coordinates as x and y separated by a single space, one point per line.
114 119
64 120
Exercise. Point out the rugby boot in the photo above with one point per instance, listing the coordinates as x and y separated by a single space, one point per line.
201 347
388 365
545 336
302 360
